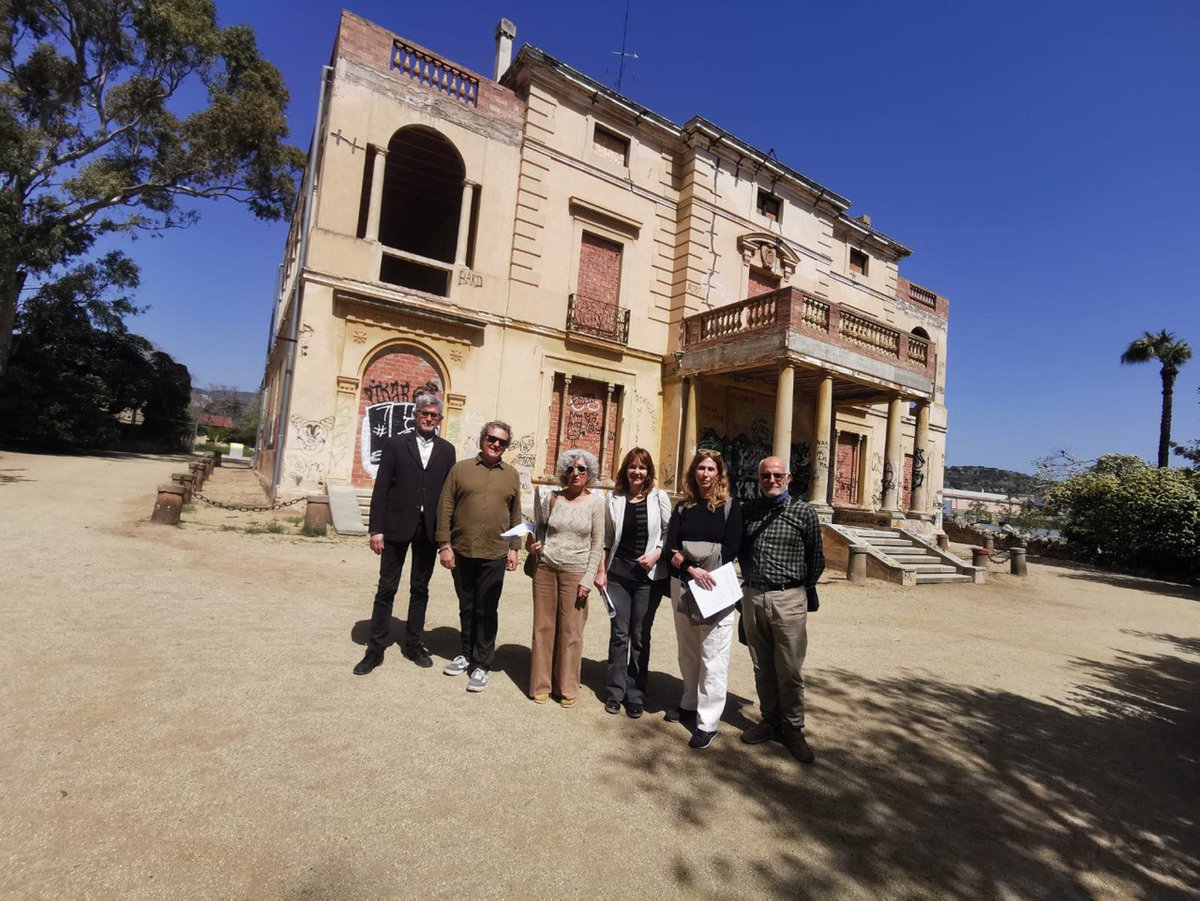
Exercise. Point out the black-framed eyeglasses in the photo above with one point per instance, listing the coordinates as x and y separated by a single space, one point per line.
493 439
577 468
772 476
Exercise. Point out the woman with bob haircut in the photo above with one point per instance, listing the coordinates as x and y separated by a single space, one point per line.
704 533
570 547
635 527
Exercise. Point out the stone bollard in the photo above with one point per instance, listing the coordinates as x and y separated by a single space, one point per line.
856 564
217 459
980 556
1016 561
943 542
184 480
316 513
168 505
989 542
208 465
198 472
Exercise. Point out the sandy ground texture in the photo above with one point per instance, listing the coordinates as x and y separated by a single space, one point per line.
181 721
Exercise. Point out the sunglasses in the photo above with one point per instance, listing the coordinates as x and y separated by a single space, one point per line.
499 442
434 414
578 468
772 476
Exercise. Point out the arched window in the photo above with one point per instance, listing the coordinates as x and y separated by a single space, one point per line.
921 333
422 202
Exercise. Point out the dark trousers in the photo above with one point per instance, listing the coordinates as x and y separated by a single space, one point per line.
642 676
391 566
630 598
478 584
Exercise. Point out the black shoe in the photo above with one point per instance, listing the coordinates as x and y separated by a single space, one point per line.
613 707
633 711
767 730
701 740
418 654
681 715
794 740
369 662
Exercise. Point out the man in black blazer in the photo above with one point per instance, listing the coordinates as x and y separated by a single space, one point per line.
404 503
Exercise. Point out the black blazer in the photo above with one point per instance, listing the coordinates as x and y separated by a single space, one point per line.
403 487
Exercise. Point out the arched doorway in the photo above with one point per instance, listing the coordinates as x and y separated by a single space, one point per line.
390 384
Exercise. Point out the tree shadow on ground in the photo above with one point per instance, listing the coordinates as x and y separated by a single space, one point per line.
1085 573
926 788
13 475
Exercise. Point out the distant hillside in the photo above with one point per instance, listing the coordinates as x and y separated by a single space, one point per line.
997 481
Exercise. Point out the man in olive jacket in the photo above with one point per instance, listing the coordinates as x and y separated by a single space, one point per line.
412 471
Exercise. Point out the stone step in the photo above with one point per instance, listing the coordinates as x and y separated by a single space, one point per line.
941 578
915 558
931 567
886 543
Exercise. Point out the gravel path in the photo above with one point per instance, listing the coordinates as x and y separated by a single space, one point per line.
180 720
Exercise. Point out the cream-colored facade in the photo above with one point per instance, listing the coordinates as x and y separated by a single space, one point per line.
542 250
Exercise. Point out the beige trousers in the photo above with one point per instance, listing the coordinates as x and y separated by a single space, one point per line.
777 633
558 621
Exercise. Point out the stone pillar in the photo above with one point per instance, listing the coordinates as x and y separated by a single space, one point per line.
691 426
893 459
818 489
167 505
785 389
980 556
552 465
943 542
184 480
217 459
920 475
1016 561
378 165
464 223
604 430
316 513
856 564
198 476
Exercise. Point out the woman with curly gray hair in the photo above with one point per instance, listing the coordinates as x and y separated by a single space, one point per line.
570 545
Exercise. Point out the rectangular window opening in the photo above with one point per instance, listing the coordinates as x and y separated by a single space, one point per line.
770 206
364 200
610 145
858 261
408 274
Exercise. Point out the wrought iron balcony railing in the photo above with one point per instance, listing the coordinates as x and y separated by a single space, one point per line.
597 319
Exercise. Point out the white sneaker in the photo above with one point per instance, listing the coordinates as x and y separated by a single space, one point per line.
479 679
457 666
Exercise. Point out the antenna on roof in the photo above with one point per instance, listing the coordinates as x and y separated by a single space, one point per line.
624 56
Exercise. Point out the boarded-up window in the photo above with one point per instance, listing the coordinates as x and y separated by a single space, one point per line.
583 423
762 283
610 145
858 261
845 472
599 269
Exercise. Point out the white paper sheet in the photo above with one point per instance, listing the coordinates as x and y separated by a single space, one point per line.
518 530
722 596
608 604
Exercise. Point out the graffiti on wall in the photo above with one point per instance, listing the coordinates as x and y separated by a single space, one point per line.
918 468
522 454
645 422
801 467
396 392
306 453
343 431
585 418
876 481
379 423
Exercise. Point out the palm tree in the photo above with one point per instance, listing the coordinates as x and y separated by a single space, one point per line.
1172 353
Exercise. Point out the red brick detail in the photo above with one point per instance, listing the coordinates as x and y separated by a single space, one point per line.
394 375
762 283
369 45
584 422
845 471
599 269
922 297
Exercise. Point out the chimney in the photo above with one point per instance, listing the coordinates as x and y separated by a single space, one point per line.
505 32
865 220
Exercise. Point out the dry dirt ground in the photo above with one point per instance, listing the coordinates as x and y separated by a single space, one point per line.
180 720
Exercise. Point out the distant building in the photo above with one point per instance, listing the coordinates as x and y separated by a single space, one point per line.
540 249
958 500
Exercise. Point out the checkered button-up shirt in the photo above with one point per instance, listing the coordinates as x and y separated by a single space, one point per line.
781 543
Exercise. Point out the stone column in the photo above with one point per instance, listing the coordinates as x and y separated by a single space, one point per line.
818 489
691 434
604 429
920 474
378 165
552 464
782 447
893 458
464 223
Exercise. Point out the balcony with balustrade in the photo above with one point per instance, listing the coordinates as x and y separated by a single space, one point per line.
752 337
593 320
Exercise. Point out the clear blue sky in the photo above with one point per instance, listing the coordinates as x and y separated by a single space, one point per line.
1042 159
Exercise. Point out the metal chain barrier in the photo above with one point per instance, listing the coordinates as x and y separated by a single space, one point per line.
1001 555
244 509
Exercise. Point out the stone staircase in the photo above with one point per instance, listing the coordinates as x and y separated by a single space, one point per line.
898 555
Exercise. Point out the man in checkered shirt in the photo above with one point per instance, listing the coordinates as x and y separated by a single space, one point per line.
781 558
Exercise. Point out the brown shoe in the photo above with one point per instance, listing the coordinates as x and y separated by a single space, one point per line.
760 732
794 739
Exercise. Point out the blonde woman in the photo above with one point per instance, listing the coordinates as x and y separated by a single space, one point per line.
704 533
635 529
570 547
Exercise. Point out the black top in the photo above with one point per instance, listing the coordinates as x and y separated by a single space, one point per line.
405 498
698 523
635 531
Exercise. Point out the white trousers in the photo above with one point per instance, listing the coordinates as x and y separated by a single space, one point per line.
704 666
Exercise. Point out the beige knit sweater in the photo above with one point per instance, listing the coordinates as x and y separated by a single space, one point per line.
574 540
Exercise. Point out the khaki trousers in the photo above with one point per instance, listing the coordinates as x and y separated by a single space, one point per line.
558 621
777 633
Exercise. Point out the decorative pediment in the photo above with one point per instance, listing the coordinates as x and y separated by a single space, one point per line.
766 251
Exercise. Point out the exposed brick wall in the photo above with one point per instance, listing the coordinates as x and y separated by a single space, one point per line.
369 45
599 269
584 422
940 307
396 376
762 283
